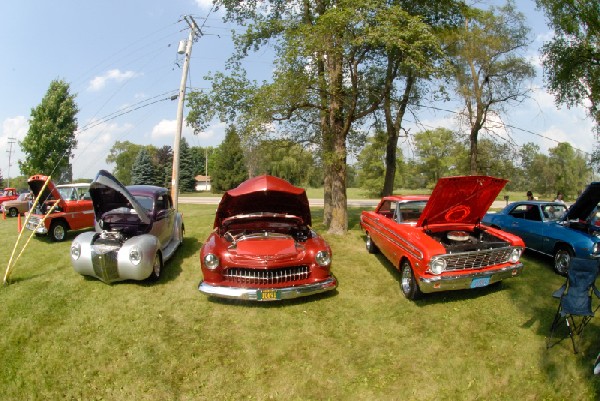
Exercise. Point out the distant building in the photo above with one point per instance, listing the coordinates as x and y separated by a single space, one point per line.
202 182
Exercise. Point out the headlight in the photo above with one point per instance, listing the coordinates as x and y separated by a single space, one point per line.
211 261
75 250
515 255
323 258
437 265
135 256
596 248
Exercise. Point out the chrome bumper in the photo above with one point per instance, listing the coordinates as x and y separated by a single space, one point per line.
448 282
255 294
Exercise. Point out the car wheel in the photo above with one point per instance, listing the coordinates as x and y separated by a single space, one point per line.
408 283
13 212
371 247
156 268
562 259
58 231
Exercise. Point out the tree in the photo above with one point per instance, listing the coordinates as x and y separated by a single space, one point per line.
187 169
123 155
371 164
50 140
497 159
285 159
324 51
230 170
163 162
438 152
143 171
570 170
1 180
572 57
404 72
488 70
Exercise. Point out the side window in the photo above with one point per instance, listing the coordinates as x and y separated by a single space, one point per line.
161 202
84 194
387 208
519 211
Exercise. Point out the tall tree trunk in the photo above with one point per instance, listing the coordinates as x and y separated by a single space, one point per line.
337 138
393 127
339 201
473 151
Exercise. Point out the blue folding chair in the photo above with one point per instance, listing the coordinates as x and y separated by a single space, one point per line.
575 306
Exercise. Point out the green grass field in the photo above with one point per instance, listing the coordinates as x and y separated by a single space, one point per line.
72 338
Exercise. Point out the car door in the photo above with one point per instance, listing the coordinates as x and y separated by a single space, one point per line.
164 219
526 221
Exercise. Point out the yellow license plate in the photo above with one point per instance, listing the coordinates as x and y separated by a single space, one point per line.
268 295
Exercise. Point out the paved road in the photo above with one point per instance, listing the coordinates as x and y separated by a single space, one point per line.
214 200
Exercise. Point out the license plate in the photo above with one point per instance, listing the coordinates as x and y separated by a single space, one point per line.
480 282
268 295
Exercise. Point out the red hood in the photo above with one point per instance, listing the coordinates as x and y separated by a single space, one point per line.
461 199
36 182
264 194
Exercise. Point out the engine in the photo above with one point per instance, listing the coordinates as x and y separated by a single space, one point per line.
464 241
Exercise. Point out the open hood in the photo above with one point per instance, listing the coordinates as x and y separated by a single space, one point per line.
462 199
264 194
36 183
108 194
585 204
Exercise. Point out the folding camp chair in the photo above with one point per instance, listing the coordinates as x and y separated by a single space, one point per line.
575 306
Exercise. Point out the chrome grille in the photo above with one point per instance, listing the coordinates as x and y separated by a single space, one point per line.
244 275
477 259
105 264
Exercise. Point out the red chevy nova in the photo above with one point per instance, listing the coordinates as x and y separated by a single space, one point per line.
438 242
263 247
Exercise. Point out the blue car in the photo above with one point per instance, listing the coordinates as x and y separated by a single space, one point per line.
551 229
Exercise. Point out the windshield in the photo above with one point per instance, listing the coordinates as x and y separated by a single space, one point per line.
553 212
407 212
146 202
23 197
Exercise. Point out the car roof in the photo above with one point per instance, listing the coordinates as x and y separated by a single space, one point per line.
147 190
406 198
78 185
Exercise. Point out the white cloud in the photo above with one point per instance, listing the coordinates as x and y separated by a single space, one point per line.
93 145
115 75
204 4
212 136
14 130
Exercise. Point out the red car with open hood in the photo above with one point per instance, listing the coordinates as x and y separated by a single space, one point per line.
438 242
262 247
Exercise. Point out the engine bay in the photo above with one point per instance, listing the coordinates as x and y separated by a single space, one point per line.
467 241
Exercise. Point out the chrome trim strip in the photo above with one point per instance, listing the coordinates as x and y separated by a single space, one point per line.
251 294
408 247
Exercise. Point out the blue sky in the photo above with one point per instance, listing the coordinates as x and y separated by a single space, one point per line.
121 57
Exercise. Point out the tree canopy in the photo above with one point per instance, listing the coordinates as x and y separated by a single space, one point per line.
230 169
488 68
143 171
572 57
50 140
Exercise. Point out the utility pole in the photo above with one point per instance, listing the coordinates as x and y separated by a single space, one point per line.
11 141
194 30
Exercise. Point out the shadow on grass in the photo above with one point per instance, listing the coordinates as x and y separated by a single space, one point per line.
353 218
533 295
173 268
274 304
